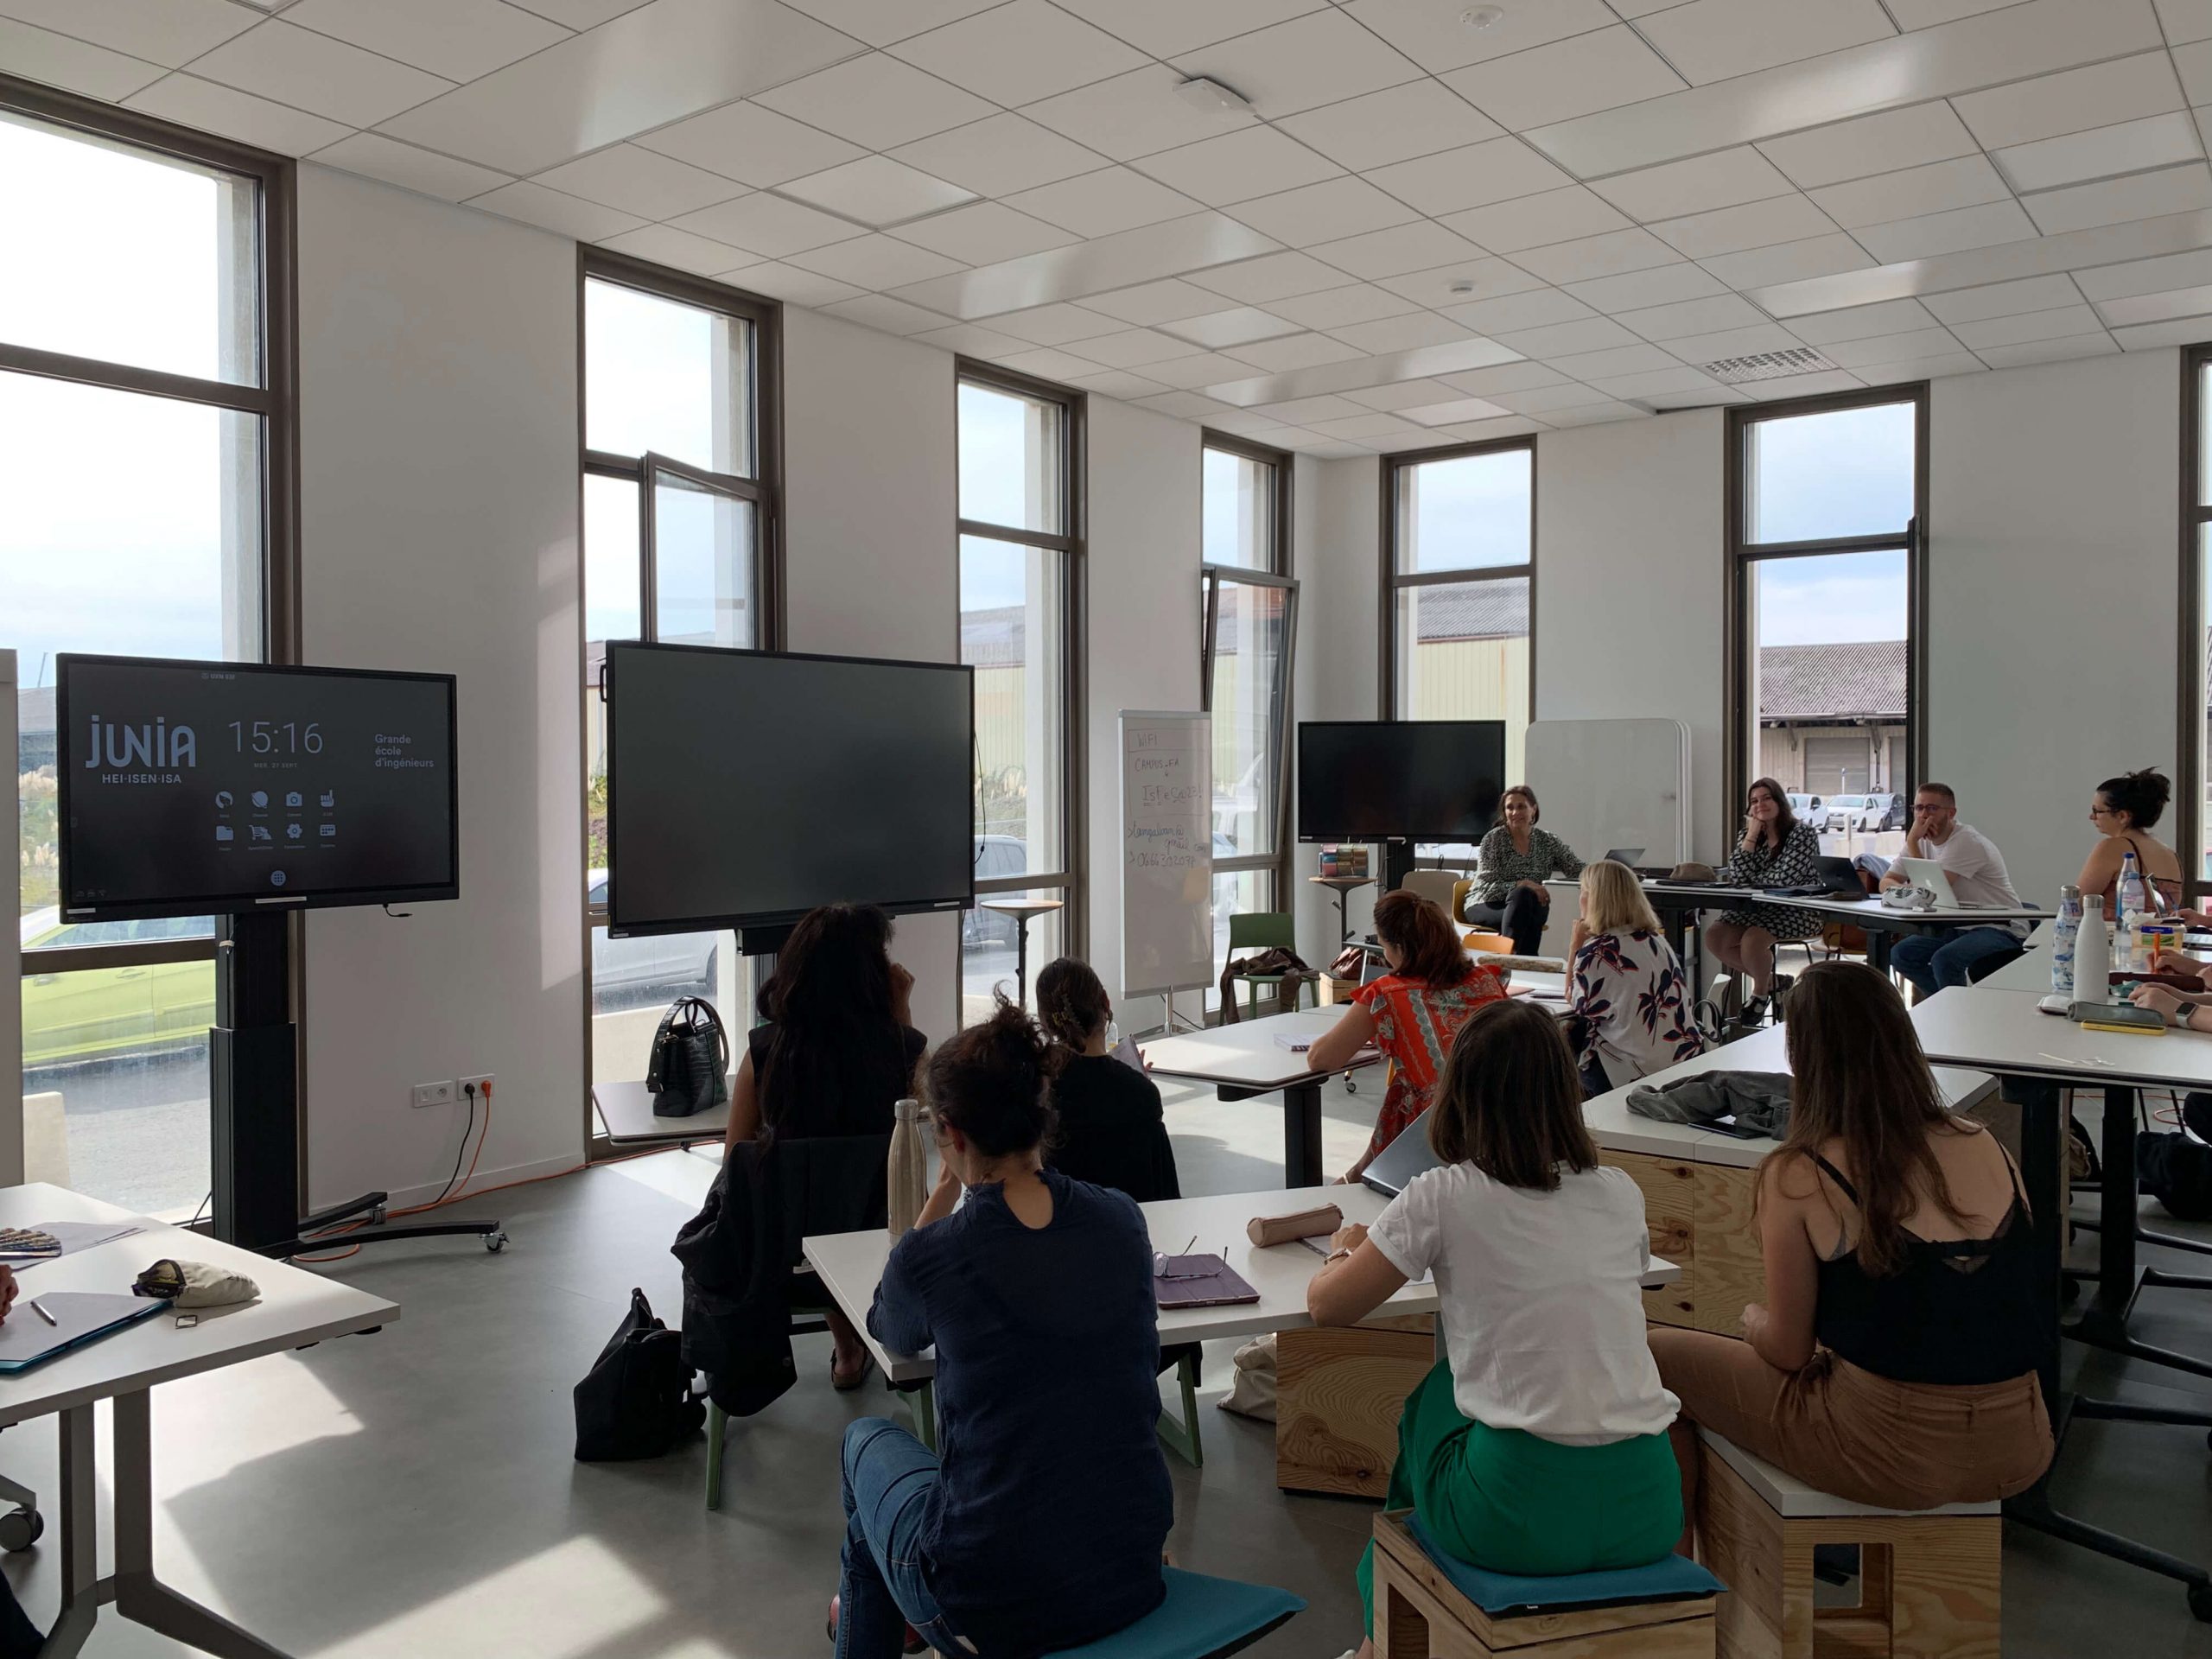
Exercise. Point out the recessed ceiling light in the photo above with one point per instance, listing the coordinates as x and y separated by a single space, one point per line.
1483 16
1211 96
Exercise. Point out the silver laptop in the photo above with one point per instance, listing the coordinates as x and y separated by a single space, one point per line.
1927 873
1627 855
1403 1158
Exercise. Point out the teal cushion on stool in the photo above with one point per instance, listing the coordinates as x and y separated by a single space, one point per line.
1202 1618
1503 1595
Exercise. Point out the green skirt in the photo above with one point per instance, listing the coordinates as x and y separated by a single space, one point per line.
1512 1502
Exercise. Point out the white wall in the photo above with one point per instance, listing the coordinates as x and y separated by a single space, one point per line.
438 531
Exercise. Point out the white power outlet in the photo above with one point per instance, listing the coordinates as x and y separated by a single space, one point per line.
483 1089
435 1094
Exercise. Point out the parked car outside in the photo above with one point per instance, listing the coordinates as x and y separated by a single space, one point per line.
112 1014
659 967
1807 809
1870 814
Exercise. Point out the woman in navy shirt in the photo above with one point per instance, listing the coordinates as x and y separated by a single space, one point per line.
1022 1535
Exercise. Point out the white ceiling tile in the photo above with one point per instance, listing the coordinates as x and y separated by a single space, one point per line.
1163 28
1270 277
1463 283
1322 58
1887 143
2049 350
1790 261
1394 252
1591 368
1734 342
665 244
1150 303
1405 394
1753 225
1130 348
78 65
1118 382
876 190
1632 10
782 282
767 225
1890 348
1331 308
2138 308
876 101
312 71
999 156
1656 383
1919 368
1098 203
167 32
1134 114
1511 426
1436 37
1534 221
1055 324
1295 351
1507 376
2184 21
1539 307
458 39
572 216
2113 201
1454 412
375 156
1863 322
982 233
1568 338
2146 275
1206 369
1934 233
1602 70
2195 62
1716 397
2187 331
1190 406
1018 53
640 181
1374 426
2002 299
2072 101
1328 211
1303 412
972 341
1597 256
1698 185
1926 14
1803 385
1688 317
876 261
1217 329
229 114
1549 399
1939 187
2057 324
1405 334
1637 290
1243 423
1396 124
892 316
647 69
1495 170
753 145
2102 152
1716 39
1256 161
881 21
583 14
1601 414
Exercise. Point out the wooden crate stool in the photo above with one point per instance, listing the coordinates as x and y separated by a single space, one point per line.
1928 1580
1429 1606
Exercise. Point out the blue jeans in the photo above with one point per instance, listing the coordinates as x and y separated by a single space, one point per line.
1933 960
887 1480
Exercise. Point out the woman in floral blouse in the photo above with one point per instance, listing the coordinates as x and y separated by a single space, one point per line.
1634 1016
1776 851
1513 863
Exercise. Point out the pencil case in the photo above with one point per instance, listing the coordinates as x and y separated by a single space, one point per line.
1307 1224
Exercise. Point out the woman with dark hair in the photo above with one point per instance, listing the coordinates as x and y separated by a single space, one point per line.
1410 1014
1040 1526
1112 1131
1512 865
1893 1362
834 1051
2124 811
1775 851
1538 1443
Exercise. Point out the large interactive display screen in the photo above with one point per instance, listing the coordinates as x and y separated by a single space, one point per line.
1399 780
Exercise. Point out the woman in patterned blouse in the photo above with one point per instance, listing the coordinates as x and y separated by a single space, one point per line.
1634 1017
1411 1013
1776 851
1515 860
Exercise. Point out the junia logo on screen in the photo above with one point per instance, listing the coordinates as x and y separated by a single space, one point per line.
142 754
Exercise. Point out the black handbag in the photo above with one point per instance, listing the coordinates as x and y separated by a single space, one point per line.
636 1400
688 1072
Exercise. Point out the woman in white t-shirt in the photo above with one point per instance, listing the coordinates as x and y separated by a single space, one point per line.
1539 1444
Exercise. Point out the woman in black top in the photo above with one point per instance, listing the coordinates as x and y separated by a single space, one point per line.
1111 1132
1894 1360
1775 851
835 1050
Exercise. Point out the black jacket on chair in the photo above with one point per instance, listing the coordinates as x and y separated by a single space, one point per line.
741 1252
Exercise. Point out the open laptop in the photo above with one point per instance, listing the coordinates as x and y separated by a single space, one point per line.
1627 855
1403 1158
1927 873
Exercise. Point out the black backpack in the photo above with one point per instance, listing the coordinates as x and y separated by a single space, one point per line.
636 1400
688 1072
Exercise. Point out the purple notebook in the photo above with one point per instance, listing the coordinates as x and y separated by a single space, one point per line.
1200 1282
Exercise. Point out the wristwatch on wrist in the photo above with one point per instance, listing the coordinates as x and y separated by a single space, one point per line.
1337 1255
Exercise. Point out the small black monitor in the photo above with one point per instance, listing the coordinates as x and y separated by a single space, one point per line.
1399 780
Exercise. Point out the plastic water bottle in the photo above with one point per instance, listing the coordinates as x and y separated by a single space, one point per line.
905 1176
2093 954
2064 935
2132 908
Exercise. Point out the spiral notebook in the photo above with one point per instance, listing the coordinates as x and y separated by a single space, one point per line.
1201 1282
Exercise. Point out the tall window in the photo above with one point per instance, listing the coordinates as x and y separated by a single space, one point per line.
145 444
1020 544
1249 620
1828 499
679 546
2197 625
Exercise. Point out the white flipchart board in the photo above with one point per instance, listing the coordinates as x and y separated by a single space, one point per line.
1614 783
1166 852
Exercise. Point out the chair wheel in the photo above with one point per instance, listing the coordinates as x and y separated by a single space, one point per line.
495 1243
2200 1602
21 1528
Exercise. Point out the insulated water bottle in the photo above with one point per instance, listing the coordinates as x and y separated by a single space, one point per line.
906 1178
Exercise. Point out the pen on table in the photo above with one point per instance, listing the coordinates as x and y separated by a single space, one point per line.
1316 1246
39 1308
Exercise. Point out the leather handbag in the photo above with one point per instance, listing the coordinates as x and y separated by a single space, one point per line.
688 1072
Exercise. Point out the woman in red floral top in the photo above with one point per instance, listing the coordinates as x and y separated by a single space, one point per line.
1411 1013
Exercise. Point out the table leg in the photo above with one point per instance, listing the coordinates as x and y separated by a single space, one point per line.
1021 962
82 1591
1301 1134
2042 1153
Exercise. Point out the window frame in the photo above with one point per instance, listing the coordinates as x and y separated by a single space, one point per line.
1741 556
1070 881
2195 516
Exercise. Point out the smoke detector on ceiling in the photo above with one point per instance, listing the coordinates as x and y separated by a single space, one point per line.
1211 96
1483 16
1767 365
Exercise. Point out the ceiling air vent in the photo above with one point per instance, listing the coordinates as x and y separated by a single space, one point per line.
1767 365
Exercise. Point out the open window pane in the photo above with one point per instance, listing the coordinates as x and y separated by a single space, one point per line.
1238 513
633 981
1466 513
1011 624
1251 633
667 377
1010 460
612 585
702 564
1843 472
988 956
1462 654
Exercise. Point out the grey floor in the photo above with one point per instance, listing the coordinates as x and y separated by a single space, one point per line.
412 1493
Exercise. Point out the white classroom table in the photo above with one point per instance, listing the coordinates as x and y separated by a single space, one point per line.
294 1309
626 1112
850 1266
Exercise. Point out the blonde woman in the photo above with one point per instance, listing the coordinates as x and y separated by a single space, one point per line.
1631 1005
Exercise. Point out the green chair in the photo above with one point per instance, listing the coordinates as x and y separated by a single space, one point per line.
1262 930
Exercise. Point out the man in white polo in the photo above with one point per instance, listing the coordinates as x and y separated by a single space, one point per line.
1976 872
